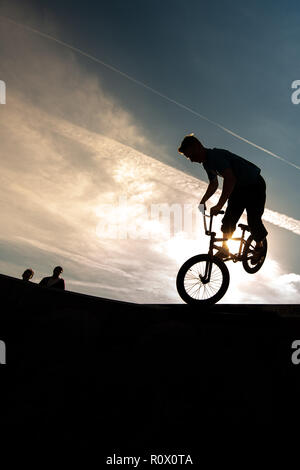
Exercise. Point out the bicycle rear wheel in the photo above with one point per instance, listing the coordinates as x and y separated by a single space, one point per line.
248 255
191 285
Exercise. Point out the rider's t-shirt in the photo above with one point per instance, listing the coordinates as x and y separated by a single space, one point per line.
57 283
218 160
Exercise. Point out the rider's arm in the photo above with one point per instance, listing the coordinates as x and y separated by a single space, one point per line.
228 185
211 189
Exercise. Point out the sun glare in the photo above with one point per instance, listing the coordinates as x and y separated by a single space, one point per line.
233 246
180 248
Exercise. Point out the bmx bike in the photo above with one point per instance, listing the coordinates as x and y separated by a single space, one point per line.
204 279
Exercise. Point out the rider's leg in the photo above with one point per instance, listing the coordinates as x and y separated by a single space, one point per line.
255 208
255 205
234 210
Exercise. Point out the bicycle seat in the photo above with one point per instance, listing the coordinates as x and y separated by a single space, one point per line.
244 227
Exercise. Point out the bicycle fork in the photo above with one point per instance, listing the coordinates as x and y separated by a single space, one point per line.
206 278
208 267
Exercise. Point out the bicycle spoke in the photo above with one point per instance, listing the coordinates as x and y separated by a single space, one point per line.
194 286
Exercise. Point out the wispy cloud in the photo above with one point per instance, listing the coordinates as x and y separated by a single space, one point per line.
282 220
270 285
62 159
144 85
53 205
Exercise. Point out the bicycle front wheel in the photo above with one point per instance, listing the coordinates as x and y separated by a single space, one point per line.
192 286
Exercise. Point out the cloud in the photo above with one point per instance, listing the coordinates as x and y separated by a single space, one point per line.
64 170
152 90
40 74
54 203
270 285
282 220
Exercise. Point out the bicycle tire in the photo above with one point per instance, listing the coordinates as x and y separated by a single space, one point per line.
248 253
188 265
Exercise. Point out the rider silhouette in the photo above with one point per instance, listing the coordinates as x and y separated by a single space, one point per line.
27 274
54 281
243 188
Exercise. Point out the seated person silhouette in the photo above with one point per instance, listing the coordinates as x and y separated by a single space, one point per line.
243 188
27 274
54 281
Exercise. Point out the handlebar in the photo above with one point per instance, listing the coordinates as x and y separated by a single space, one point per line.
202 209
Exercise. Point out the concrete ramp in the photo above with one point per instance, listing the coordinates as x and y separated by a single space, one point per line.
102 376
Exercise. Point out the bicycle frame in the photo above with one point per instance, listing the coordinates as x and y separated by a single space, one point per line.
204 278
213 246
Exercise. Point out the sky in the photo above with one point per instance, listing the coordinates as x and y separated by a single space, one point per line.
94 115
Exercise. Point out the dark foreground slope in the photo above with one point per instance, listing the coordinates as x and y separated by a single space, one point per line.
98 376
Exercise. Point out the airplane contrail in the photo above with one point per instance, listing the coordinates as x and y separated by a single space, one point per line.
147 87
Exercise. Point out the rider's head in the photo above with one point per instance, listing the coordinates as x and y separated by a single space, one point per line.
27 274
57 271
192 149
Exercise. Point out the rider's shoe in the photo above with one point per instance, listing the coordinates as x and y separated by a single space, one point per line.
223 252
257 253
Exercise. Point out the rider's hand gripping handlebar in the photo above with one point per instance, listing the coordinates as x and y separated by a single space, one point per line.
202 209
